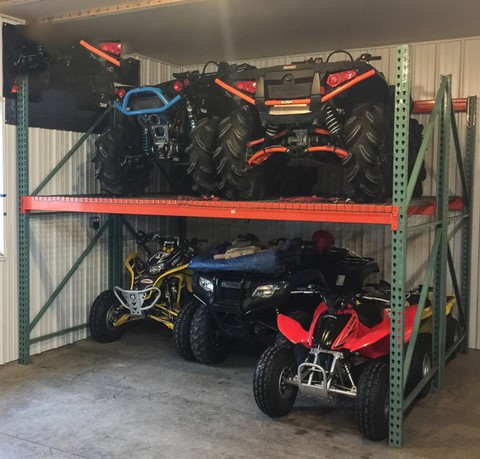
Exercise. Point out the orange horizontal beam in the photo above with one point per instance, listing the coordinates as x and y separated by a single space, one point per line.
455 203
379 214
426 106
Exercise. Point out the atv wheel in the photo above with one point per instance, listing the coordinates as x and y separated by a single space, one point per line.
452 334
421 364
365 134
105 311
181 330
202 165
372 404
237 179
209 344
273 395
414 142
117 174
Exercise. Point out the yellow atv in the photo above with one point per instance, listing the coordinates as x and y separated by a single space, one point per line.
159 289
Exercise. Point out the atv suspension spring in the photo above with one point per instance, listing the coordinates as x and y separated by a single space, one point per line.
146 141
192 121
271 130
331 121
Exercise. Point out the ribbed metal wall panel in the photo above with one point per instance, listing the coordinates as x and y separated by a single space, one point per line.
56 241
154 71
8 268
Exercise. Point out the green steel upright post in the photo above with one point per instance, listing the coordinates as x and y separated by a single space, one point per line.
400 179
115 251
23 224
467 228
441 206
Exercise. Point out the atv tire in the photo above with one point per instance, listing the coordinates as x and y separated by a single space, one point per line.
209 343
272 394
372 404
365 133
203 169
116 173
237 179
421 364
452 334
105 310
181 330
415 138
414 142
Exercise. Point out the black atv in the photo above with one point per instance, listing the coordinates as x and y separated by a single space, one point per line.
242 297
89 75
305 114
173 124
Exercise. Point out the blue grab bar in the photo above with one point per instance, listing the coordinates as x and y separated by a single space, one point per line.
146 111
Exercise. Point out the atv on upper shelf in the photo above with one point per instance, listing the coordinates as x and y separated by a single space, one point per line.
310 113
173 123
241 297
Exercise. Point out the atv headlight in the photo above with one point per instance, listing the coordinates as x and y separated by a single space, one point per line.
206 284
265 291
155 269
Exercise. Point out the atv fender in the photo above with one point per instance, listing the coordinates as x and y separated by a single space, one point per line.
382 330
292 330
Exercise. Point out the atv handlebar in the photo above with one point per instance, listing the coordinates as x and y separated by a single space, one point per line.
143 238
124 107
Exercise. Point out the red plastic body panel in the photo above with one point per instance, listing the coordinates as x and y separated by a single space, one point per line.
292 330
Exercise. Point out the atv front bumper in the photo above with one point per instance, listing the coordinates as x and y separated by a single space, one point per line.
320 381
134 300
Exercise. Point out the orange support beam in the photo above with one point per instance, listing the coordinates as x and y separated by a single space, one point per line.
376 214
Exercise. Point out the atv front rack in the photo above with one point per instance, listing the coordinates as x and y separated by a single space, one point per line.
133 300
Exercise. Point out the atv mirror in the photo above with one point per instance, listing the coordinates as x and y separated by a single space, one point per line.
368 57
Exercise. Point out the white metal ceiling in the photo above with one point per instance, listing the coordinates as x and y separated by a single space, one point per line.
194 31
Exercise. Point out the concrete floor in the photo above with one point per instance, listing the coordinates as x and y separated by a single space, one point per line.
136 399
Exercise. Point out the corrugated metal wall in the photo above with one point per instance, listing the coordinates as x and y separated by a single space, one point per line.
58 240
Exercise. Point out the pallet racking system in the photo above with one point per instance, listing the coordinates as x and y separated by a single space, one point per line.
394 215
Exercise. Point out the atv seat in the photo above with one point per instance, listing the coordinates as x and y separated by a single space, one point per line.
370 312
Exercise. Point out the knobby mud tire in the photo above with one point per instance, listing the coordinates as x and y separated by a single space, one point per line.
365 133
237 179
203 169
209 344
100 319
181 330
421 363
116 174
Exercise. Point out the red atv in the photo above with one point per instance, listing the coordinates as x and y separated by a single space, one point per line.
345 353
